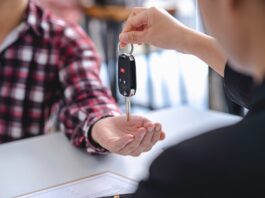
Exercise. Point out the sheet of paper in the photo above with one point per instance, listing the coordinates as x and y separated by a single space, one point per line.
105 184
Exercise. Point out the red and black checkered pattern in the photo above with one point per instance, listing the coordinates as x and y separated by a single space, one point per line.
52 67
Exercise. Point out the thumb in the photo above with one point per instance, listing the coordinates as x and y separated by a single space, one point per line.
133 37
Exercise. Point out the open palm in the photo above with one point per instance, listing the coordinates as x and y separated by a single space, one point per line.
133 137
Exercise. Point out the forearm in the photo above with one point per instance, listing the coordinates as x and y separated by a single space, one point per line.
156 27
78 118
211 52
207 49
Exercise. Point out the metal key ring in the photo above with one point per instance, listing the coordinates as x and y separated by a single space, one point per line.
131 51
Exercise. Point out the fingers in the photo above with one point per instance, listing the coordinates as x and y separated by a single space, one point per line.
122 143
134 29
118 136
141 136
129 148
152 136
156 136
137 18
122 44
137 10
133 37
131 25
147 141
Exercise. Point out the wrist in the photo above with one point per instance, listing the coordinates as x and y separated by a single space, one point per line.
186 40
95 128
93 134
211 53
196 43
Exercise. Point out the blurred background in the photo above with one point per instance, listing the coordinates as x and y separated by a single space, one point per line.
165 79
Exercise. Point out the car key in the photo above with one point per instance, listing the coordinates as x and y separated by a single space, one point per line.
127 78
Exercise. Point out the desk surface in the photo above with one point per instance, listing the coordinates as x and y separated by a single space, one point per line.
41 162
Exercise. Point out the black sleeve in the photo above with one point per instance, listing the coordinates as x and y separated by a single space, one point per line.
238 87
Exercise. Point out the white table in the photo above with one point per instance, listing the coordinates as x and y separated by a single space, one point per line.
41 162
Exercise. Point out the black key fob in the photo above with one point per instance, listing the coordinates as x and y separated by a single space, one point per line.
127 75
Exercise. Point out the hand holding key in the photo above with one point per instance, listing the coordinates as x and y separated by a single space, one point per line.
157 27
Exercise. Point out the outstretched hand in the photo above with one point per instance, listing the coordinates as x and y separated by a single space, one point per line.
123 137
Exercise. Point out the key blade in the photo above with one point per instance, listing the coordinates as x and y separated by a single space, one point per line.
128 107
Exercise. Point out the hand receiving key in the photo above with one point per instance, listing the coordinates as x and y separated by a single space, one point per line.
119 136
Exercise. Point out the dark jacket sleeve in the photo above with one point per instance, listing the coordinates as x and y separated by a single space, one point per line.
238 87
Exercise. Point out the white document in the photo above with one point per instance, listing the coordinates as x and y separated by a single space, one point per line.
105 184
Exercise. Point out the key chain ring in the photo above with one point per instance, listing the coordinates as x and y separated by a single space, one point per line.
131 51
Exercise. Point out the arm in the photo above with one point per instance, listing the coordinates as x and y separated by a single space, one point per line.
207 49
90 116
86 100
157 27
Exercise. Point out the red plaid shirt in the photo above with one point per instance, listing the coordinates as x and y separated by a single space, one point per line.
51 68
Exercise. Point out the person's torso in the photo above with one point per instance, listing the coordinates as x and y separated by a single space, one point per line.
29 78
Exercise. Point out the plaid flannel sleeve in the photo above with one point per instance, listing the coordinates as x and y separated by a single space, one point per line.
86 101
